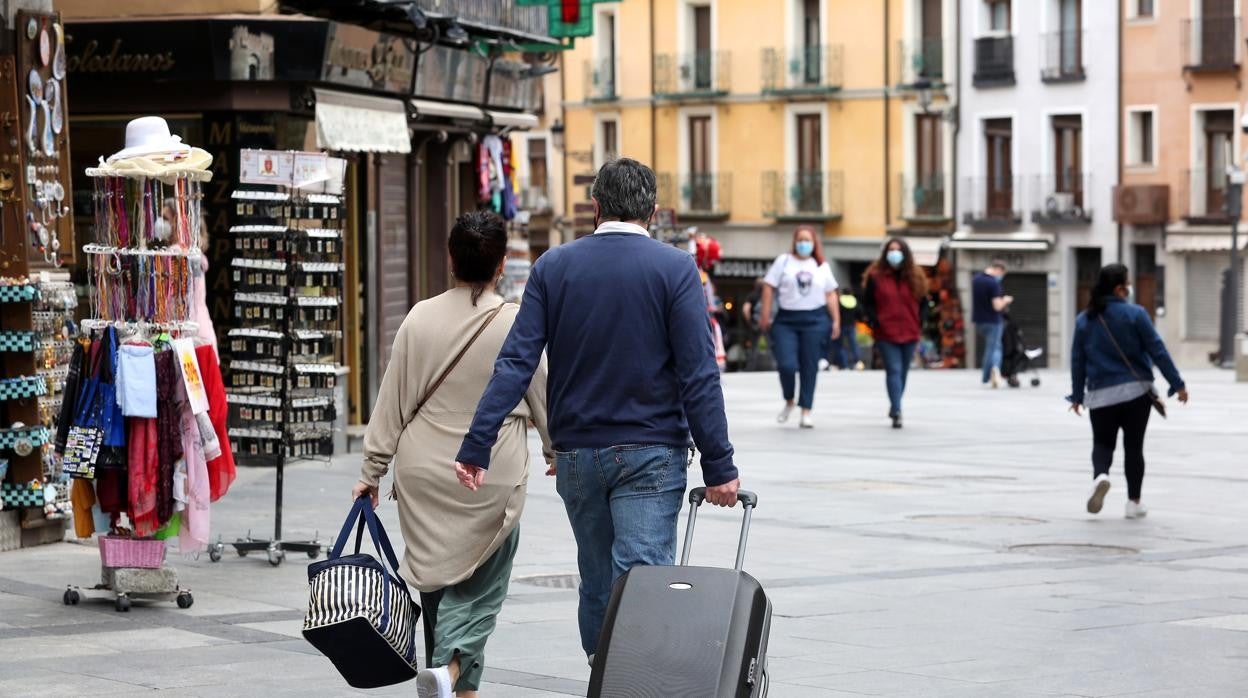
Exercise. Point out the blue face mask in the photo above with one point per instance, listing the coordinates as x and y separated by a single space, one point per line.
804 248
895 258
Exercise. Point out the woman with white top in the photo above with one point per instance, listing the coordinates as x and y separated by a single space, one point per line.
809 318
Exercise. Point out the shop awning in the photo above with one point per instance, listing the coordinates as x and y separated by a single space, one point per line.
354 123
1008 242
522 122
1198 242
926 251
446 110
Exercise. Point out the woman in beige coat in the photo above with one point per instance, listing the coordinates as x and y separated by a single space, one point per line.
459 543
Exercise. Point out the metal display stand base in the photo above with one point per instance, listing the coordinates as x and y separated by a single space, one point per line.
121 584
274 549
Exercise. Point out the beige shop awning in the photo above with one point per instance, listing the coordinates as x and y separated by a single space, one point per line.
446 110
522 122
354 123
1007 242
1202 242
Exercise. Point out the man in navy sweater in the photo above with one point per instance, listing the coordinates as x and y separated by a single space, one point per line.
632 372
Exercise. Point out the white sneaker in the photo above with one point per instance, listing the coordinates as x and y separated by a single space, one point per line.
434 683
995 380
860 366
824 365
1135 510
807 422
784 414
1100 488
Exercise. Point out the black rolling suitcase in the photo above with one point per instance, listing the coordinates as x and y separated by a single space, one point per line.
686 631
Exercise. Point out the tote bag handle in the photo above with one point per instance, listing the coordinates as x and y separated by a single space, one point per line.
362 515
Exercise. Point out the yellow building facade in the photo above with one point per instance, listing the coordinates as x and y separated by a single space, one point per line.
761 116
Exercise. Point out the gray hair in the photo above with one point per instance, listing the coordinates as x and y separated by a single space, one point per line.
625 190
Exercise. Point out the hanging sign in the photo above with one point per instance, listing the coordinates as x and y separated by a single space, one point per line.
191 378
310 169
266 167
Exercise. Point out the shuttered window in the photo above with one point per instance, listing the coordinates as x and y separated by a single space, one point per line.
394 258
1203 296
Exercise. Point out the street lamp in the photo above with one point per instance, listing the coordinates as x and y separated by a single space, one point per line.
926 91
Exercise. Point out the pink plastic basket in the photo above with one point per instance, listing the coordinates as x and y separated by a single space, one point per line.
118 551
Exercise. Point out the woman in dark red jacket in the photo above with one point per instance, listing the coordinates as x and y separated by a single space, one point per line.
893 288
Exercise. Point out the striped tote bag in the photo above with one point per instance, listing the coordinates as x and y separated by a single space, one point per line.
360 613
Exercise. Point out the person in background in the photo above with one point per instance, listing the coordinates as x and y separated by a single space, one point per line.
801 281
893 289
632 375
459 544
1111 374
199 305
988 302
845 349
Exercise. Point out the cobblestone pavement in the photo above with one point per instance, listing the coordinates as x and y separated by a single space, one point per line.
952 558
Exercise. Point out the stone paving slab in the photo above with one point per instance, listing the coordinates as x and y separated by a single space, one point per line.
893 561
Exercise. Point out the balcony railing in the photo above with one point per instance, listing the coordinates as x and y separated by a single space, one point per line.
923 198
697 194
702 74
1212 43
1203 197
921 58
1062 59
534 196
803 69
600 80
1062 199
992 201
994 61
803 195
502 14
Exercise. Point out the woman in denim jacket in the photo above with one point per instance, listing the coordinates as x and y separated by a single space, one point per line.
1111 372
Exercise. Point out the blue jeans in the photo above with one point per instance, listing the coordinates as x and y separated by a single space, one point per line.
799 338
897 359
992 334
623 503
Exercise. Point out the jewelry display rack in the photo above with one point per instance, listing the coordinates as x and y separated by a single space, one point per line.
285 354
36 227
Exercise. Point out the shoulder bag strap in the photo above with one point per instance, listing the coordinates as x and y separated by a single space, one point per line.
455 362
1122 354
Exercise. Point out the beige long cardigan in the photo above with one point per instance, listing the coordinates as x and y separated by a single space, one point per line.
449 530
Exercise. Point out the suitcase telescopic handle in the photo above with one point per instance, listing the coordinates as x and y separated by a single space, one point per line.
697 495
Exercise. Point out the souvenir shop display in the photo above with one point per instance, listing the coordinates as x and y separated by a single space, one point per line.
141 426
285 353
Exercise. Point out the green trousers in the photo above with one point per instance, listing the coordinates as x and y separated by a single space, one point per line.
459 619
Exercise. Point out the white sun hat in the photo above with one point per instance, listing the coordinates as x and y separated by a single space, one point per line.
148 136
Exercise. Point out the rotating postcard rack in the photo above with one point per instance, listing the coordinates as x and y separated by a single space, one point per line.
285 353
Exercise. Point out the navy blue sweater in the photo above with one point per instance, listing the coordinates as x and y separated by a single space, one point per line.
624 323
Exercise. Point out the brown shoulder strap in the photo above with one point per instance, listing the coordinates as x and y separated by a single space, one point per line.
455 362
1121 353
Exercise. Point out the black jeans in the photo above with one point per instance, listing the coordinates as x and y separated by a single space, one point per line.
1132 418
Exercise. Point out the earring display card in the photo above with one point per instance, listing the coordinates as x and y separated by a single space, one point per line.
286 352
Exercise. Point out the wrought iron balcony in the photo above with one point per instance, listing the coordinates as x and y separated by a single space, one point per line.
992 201
1203 197
1212 44
695 195
600 80
534 196
1062 199
921 59
702 74
1063 57
923 198
994 61
805 69
803 195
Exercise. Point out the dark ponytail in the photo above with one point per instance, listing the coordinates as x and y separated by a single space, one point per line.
478 244
1111 277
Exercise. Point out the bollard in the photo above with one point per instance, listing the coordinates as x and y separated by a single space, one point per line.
1241 357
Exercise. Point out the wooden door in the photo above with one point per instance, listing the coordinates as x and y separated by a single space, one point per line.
1146 278
1000 139
1217 32
701 185
702 47
610 141
1070 43
931 56
1087 270
929 190
1219 131
812 40
809 163
1068 149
